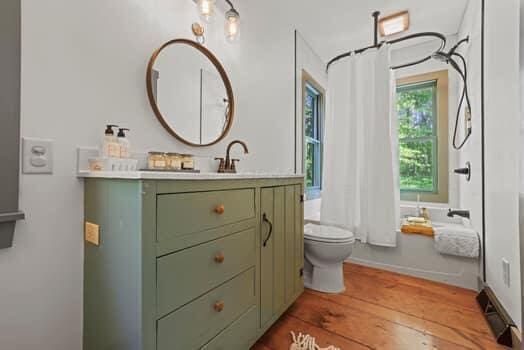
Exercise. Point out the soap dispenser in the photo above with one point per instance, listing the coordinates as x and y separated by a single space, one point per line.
124 144
110 146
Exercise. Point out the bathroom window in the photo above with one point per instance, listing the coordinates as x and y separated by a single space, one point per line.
422 110
313 131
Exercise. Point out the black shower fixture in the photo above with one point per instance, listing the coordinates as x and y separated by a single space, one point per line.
448 57
377 44
466 171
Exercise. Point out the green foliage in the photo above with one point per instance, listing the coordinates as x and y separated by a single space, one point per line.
417 136
415 109
308 114
310 167
312 133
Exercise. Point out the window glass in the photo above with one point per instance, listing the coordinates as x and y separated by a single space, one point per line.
313 140
310 164
308 114
417 116
417 166
416 109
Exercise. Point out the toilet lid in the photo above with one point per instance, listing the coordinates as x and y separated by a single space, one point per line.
323 233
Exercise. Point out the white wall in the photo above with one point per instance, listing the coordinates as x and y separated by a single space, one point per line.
470 192
83 65
308 60
502 141
521 60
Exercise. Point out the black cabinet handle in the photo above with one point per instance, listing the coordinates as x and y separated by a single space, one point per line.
266 220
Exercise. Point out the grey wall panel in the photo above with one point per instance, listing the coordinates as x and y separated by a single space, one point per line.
9 116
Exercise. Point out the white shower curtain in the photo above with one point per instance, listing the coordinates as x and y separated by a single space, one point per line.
360 190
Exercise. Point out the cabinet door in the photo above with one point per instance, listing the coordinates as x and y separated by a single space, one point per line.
266 256
294 242
272 272
281 228
298 232
268 266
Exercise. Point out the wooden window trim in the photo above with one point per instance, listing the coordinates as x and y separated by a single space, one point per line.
442 194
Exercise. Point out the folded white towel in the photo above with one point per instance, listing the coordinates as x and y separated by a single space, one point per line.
457 240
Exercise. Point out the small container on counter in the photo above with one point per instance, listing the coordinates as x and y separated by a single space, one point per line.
188 162
157 160
174 161
98 164
112 164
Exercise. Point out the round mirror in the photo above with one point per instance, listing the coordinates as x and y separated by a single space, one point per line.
190 92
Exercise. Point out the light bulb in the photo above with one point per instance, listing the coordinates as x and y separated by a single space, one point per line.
206 9
232 25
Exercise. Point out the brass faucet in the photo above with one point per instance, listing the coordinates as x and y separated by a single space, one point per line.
229 166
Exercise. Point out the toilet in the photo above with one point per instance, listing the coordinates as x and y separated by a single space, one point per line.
325 249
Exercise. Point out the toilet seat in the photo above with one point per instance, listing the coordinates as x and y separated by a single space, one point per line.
327 234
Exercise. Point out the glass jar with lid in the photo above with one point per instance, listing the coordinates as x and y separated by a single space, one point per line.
174 161
156 160
188 162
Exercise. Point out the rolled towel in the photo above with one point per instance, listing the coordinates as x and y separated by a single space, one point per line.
457 240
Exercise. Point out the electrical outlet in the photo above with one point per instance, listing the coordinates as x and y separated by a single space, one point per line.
505 272
92 233
37 156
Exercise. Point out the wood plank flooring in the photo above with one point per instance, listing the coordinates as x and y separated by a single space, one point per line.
385 310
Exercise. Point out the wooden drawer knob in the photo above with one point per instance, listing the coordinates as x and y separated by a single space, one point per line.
219 258
219 306
219 209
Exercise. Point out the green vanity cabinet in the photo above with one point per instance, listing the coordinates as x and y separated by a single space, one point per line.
181 263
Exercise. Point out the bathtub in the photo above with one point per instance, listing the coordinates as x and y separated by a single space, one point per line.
415 255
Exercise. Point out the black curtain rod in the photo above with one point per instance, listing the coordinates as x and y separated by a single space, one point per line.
394 41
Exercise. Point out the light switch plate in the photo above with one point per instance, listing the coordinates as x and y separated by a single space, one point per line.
92 233
37 156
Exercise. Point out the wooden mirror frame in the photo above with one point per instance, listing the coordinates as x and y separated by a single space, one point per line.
223 75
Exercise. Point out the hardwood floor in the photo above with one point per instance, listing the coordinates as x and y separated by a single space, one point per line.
385 310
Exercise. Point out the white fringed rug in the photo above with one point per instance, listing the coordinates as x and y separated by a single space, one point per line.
307 342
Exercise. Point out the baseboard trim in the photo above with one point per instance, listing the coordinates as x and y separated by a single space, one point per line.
498 319
516 338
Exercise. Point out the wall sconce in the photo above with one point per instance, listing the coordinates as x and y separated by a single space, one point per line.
206 11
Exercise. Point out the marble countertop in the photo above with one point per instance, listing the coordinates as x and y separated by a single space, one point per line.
160 175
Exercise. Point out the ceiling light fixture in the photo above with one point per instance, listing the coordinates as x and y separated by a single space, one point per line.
393 24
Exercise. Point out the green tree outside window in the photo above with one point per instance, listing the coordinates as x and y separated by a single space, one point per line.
417 124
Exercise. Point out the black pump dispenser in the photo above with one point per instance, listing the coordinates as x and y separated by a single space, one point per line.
109 129
121 132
